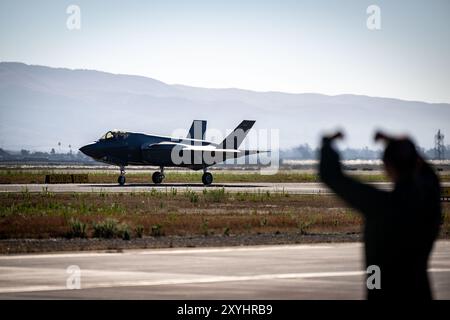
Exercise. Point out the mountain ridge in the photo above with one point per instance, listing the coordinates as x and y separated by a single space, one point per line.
38 103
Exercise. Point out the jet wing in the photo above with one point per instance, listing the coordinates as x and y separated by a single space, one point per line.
194 154
208 148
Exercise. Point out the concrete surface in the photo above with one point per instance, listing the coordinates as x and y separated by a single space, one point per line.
289 187
324 271
298 188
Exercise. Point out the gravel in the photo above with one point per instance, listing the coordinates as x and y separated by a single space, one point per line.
14 246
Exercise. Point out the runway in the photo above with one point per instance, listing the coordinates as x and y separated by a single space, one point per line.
290 187
287 187
323 271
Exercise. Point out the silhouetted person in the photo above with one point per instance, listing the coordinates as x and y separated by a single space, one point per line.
400 226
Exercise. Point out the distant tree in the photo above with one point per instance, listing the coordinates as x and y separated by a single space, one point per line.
40 154
302 151
3 153
305 152
53 152
24 152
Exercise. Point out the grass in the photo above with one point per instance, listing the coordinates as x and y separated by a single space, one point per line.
156 230
162 213
34 177
44 215
139 231
214 195
78 229
105 229
27 176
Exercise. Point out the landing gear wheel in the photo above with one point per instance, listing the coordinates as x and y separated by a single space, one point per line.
157 177
121 180
207 178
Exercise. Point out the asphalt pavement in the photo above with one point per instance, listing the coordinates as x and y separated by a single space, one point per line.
319 271
289 187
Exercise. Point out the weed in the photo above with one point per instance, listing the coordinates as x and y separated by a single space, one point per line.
78 229
204 227
106 229
214 195
263 222
123 231
303 227
156 230
139 231
191 195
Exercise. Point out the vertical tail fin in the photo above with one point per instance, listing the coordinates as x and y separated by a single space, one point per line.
235 138
197 130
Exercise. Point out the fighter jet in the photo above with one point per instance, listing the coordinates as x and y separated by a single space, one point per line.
128 148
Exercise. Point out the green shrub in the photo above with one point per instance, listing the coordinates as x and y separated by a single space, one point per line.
303 227
78 229
157 230
105 229
124 232
139 231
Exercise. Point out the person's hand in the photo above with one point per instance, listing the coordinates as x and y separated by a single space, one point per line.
327 139
380 136
329 158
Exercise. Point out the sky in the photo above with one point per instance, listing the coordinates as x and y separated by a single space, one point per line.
289 46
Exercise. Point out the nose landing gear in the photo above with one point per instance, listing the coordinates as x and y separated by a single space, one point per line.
121 180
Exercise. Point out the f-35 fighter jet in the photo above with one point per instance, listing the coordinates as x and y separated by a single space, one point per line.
129 148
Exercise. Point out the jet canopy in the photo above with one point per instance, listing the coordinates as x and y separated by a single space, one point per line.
114 134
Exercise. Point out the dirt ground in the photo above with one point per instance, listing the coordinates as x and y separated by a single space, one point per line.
47 221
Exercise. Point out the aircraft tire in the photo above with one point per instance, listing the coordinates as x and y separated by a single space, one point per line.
121 180
207 178
157 177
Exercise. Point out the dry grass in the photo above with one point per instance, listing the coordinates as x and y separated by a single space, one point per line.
26 215
28 176
24 176
171 212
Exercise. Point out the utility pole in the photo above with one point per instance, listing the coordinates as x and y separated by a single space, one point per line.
439 145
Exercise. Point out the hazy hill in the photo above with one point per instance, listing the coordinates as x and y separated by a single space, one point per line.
40 106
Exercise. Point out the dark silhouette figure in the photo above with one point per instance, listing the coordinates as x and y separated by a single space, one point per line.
400 225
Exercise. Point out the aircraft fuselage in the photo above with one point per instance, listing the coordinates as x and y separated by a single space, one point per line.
127 148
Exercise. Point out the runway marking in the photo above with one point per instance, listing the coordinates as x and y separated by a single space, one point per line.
200 280
174 251
210 279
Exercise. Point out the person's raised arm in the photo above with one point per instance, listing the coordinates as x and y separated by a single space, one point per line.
362 197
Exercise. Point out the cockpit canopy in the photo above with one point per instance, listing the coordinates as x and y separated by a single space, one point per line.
114 134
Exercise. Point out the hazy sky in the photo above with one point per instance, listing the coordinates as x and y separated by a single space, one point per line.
290 46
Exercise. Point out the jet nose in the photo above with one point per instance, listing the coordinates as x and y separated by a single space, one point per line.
90 150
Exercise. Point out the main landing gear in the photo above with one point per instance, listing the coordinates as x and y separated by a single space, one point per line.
158 177
207 178
121 180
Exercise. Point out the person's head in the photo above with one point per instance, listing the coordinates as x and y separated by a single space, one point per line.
400 159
